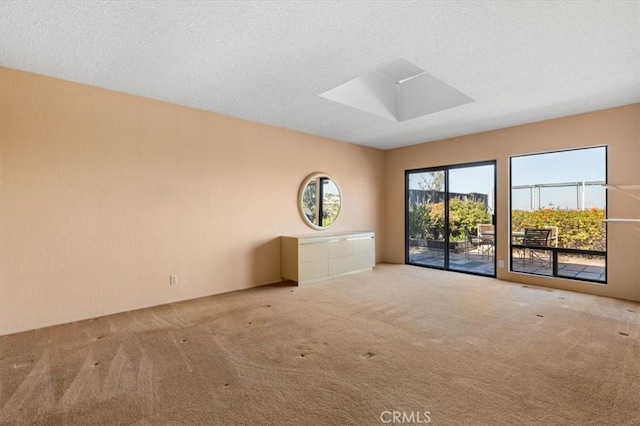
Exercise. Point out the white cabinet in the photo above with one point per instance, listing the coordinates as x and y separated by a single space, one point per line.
317 257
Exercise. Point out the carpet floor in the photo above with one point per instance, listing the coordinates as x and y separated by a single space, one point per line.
400 344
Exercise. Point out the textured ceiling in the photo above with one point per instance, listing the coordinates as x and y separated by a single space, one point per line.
269 61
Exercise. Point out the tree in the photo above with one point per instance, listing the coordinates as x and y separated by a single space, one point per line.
432 180
419 220
309 201
463 214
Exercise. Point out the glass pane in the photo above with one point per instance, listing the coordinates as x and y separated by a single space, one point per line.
330 201
584 267
309 204
471 230
533 261
561 193
426 218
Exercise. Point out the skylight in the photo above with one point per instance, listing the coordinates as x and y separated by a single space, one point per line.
399 91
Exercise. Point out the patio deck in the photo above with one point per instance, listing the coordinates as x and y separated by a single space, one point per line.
568 267
477 263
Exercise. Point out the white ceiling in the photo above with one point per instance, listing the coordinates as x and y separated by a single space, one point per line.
269 61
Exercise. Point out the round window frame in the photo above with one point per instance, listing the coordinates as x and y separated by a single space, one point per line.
305 183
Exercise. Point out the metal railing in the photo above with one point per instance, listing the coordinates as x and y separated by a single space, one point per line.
575 195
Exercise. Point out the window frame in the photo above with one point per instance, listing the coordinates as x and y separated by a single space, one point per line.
555 251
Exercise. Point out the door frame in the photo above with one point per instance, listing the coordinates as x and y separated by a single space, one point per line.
446 170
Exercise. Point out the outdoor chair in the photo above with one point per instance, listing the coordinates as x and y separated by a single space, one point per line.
553 235
535 237
486 237
472 241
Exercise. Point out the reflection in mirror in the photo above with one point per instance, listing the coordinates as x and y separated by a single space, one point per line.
320 200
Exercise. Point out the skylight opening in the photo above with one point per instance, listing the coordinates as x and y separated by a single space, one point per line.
398 91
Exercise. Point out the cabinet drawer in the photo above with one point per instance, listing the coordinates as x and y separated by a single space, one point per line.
344 265
364 245
312 270
364 261
313 252
341 248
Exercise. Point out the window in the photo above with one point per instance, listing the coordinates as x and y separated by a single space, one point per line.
558 206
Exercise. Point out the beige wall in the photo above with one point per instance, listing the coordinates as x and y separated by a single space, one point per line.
105 195
618 128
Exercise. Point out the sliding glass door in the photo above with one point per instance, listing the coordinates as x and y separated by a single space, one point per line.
425 218
450 218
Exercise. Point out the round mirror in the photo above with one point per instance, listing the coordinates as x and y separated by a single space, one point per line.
319 200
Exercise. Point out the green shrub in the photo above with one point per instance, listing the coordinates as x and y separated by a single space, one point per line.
419 221
462 214
427 220
577 229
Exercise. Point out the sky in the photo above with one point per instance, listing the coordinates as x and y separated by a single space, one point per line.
555 167
566 166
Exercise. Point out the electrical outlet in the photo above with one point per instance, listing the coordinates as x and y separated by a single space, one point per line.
500 263
173 280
